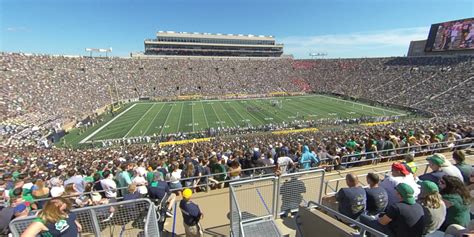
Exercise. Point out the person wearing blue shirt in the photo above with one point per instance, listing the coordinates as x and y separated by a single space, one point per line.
307 158
191 215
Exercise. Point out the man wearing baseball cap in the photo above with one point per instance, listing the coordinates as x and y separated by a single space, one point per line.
440 166
191 215
404 218
400 174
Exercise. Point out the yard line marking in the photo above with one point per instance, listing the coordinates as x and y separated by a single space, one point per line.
217 116
105 125
180 115
204 112
156 115
228 115
192 114
131 129
166 120
397 113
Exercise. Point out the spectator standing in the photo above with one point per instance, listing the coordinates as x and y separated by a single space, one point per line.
308 158
191 215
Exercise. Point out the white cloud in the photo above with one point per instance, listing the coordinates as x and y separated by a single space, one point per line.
358 44
18 29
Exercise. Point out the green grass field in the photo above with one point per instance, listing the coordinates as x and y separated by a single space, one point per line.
155 118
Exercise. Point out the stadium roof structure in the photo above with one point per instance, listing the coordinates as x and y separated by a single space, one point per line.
170 43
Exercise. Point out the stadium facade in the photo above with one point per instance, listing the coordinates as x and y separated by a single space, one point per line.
170 43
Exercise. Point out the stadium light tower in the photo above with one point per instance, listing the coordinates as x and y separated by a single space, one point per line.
318 54
97 50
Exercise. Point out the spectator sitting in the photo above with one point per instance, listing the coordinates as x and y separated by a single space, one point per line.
440 167
352 199
402 219
410 162
465 169
377 197
54 220
433 206
400 174
457 200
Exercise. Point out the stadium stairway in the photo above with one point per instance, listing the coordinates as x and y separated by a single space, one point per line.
215 203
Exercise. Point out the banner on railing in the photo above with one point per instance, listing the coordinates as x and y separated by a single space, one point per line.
295 131
208 139
377 123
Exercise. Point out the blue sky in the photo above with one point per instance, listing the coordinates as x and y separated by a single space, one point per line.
340 28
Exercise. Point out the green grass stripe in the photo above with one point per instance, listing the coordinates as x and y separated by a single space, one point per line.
200 117
147 118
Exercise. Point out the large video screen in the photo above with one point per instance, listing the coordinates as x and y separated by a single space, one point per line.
452 35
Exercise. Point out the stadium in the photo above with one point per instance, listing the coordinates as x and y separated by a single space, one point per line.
264 142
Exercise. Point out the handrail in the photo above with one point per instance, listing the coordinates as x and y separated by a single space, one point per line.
398 155
364 228
102 206
233 198
273 166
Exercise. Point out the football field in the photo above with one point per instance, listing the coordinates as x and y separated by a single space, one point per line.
156 118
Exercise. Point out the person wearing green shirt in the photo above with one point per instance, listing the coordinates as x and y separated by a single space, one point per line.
466 170
457 199
124 179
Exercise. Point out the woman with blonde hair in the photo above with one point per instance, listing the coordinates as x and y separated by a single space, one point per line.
433 206
54 220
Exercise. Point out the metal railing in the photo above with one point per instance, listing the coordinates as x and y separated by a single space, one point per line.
126 218
236 228
296 189
363 229
261 172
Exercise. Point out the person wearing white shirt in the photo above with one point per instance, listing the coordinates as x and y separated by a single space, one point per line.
109 185
400 174
284 162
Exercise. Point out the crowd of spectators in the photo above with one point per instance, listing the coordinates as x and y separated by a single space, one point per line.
403 204
43 92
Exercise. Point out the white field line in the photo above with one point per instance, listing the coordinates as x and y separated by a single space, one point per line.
149 125
204 112
131 129
105 125
228 115
180 115
166 120
370 106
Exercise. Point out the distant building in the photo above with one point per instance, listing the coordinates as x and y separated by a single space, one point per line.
169 43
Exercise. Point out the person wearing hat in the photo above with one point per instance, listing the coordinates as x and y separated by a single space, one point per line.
191 215
440 166
410 162
404 218
400 174
433 206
